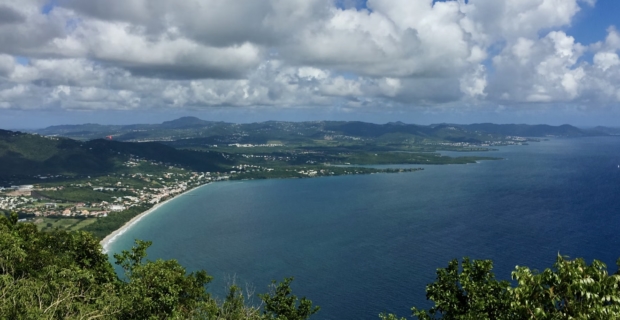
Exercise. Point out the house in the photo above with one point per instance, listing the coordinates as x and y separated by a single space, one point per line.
117 207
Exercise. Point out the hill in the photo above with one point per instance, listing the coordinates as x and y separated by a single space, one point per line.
524 130
23 154
608 130
192 132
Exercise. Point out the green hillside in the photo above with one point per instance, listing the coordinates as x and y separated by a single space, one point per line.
23 154
194 132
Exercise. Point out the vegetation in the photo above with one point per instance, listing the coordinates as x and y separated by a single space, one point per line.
104 226
312 171
64 223
408 158
203 146
72 194
29 155
191 131
61 275
64 275
571 289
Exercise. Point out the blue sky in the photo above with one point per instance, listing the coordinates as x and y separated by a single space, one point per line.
591 23
418 61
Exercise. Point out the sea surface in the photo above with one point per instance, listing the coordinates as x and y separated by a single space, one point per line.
361 245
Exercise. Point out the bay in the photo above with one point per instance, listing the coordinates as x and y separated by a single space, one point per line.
361 245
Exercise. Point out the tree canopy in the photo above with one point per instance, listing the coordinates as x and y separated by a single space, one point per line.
65 275
571 289
62 275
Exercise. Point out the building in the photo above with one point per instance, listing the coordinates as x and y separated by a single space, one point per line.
117 207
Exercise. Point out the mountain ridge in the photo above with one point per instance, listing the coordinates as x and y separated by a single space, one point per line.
25 154
196 128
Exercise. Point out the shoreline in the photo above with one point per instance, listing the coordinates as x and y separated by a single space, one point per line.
110 238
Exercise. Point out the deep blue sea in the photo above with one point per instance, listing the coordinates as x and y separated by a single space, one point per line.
361 245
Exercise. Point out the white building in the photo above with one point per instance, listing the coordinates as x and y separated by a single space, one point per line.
117 207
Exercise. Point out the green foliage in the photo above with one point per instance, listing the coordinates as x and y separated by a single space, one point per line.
159 288
281 305
53 275
72 194
28 155
363 158
571 289
473 293
62 275
104 226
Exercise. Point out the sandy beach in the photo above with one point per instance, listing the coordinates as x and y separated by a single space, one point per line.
105 243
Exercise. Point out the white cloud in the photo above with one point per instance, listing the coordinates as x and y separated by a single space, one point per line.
12 93
473 84
512 19
127 54
311 73
606 60
396 39
7 64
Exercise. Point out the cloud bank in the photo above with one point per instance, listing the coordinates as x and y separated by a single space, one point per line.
393 54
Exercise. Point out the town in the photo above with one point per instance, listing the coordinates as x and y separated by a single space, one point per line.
97 197
75 203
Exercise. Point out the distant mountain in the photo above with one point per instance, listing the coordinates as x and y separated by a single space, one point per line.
185 123
192 131
79 129
608 130
23 154
524 130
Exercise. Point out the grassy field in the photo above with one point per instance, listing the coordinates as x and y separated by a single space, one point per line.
69 224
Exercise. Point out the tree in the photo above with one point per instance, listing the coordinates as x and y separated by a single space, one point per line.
159 289
571 289
281 305
474 293
63 275
53 275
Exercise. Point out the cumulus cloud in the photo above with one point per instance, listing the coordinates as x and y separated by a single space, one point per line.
129 54
392 38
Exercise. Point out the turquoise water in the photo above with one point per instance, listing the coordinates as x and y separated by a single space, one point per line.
361 245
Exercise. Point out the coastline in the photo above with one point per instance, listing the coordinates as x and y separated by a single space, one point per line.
109 239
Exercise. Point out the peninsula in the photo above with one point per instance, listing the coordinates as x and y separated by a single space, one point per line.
68 177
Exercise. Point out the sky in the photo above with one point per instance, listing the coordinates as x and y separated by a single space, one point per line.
416 61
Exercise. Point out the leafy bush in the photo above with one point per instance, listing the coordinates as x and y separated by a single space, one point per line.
61 275
571 289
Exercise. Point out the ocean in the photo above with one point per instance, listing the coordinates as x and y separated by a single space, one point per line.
361 245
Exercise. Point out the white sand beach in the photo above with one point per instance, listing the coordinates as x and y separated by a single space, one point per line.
109 239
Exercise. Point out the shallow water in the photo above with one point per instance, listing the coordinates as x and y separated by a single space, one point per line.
361 245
